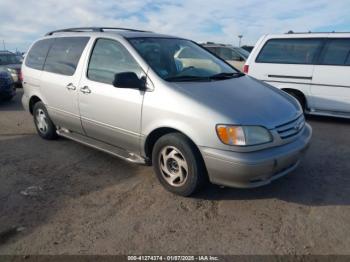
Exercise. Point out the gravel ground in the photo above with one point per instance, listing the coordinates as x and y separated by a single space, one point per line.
83 201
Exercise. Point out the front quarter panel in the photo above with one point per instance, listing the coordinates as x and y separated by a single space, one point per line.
165 107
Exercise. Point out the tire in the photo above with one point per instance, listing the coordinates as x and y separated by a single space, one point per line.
43 124
300 99
178 164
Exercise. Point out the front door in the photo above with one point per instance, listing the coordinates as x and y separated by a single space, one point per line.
108 113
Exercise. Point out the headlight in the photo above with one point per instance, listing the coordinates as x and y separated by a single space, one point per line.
243 135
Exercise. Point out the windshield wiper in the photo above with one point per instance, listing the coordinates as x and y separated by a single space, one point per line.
186 78
189 78
226 75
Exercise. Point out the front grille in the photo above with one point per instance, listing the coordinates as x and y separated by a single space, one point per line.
291 128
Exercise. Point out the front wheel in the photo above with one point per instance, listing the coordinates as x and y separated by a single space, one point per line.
43 124
178 164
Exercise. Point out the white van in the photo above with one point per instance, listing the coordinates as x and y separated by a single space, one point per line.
312 67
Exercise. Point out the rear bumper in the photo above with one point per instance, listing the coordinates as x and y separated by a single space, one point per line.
253 169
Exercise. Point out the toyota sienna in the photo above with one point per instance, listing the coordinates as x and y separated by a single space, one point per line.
196 118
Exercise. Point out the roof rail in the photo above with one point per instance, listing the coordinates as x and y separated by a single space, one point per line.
92 29
309 32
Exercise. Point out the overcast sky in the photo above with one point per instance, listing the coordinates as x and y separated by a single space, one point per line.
21 22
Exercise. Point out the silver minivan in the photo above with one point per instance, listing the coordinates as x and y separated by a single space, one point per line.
194 118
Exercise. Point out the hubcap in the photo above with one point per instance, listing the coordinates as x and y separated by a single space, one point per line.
41 121
173 166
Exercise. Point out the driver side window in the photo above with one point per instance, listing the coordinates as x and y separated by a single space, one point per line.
108 58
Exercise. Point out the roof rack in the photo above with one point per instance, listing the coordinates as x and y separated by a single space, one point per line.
309 32
92 29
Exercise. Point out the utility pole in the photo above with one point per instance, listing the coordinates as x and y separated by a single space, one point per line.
3 43
240 39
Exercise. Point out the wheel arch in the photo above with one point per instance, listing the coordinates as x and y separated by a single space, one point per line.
157 133
32 101
298 93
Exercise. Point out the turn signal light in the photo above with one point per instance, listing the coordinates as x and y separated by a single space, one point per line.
231 135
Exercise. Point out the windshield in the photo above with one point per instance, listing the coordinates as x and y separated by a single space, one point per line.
9 59
181 60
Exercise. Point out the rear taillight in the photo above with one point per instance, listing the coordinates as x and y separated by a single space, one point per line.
246 69
20 76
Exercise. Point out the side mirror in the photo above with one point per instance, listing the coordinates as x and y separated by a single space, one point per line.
128 80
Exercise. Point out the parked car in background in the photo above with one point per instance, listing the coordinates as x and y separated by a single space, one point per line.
20 57
138 96
7 87
235 56
11 63
312 67
248 48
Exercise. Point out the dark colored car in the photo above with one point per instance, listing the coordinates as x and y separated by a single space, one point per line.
248 48
9 62
7 87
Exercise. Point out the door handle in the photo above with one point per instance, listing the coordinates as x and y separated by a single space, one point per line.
85 90
70 86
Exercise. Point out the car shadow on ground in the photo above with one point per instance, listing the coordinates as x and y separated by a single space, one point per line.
328 119
298 188
14 104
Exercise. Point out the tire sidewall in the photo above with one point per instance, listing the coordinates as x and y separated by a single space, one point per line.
184 145
51 132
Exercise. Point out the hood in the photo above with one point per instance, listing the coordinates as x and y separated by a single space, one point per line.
243 101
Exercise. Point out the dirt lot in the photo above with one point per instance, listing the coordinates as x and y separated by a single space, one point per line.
93 203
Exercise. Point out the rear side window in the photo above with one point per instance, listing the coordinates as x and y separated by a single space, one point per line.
37 54
290 51
64 55
336 52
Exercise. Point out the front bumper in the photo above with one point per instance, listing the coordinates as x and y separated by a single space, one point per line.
253 169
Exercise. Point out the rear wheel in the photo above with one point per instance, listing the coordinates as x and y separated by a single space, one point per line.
44 126
178 164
